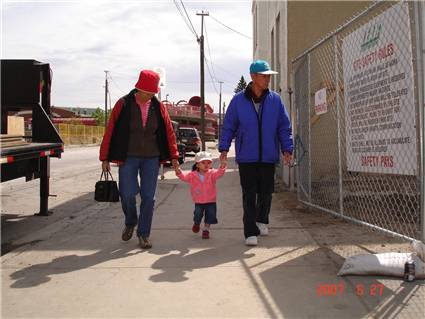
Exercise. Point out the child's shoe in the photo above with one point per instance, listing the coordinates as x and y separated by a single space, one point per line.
205 234
195 228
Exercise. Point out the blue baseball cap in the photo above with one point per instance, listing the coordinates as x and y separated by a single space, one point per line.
261 67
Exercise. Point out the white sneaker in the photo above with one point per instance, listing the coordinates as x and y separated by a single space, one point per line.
251 241
264 230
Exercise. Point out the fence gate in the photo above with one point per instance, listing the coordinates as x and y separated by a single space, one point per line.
359 100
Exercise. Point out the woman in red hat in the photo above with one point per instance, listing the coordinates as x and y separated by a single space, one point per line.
139 136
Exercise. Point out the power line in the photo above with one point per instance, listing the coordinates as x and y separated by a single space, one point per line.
231 28
181 1
212 76
227 71
186 82
209 52
188 23
213 79
113 81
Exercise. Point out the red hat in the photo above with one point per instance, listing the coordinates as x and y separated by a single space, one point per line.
148 81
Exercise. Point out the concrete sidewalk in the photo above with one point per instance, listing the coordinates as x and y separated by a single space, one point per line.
79 268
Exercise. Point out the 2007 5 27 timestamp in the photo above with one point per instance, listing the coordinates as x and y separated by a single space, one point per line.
340 288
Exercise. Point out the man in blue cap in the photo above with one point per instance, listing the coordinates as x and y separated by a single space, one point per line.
258 120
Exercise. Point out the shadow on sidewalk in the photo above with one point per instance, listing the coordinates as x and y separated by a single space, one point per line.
36 275
17 225
183 262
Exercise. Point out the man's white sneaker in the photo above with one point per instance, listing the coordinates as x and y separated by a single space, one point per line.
264 231
251 241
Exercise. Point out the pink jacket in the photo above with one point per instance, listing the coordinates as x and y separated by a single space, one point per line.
203 192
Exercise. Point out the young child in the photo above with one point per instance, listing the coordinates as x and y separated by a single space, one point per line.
202 180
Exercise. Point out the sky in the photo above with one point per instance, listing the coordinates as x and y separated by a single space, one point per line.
82 39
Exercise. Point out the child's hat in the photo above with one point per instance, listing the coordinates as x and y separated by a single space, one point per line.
203 156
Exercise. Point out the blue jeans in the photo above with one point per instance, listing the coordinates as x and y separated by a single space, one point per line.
147 168
210 210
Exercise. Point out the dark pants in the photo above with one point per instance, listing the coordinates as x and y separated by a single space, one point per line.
210 210
257 181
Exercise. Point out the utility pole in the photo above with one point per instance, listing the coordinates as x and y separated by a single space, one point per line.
201 43
106 98
219 113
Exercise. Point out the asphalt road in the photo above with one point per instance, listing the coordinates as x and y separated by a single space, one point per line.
72 180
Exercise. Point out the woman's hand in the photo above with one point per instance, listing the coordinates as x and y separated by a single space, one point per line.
175 163
106 167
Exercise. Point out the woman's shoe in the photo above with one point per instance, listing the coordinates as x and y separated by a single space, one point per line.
144 243
127 233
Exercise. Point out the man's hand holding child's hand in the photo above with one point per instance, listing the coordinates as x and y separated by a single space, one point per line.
223 163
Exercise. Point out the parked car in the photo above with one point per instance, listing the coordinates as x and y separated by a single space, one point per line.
180 146
191 139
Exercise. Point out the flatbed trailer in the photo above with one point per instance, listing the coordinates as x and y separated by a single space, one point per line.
26 85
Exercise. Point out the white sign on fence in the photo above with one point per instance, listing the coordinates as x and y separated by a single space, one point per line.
379 98
320 104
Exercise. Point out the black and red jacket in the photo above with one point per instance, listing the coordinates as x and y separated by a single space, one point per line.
114 145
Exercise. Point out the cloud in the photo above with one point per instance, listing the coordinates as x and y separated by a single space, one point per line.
81 40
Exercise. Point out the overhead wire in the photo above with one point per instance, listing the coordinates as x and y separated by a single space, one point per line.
240 33
209 72
113 81
190 21
186 18
212 76
215 65
227 71
209 61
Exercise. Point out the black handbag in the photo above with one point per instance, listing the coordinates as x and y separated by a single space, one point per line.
106 190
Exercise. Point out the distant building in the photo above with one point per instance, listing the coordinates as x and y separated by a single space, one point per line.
188 114
81 111
58 115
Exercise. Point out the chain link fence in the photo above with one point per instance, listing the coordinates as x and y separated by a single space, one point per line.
359 104
80 134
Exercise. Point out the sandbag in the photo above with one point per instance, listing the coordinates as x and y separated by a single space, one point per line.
384 264
419 249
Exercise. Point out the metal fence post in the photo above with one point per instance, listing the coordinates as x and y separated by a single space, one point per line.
420 45
297 127
309 125
338 128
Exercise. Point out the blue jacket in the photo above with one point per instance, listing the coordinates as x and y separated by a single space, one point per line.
259 137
